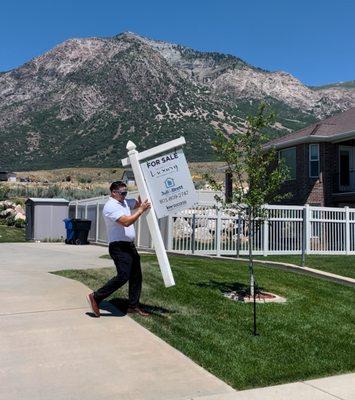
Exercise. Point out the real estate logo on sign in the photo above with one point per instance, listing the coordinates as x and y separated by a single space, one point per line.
169 183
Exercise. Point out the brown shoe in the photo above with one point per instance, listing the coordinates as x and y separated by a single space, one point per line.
137 310
93 305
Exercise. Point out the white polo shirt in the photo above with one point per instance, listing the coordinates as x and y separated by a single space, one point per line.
113 210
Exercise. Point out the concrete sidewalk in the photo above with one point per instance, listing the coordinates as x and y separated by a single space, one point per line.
50 348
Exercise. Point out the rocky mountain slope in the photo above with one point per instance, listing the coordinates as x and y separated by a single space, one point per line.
79 104
228 74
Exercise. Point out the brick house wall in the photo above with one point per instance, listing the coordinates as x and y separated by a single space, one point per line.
315 191
325 190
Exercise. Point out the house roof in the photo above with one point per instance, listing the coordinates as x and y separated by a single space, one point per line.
338 127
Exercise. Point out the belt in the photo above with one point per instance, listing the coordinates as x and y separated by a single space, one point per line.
122 243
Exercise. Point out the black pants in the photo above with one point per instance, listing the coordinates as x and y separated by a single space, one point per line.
128 265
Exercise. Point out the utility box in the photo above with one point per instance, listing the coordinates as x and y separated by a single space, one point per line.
44 218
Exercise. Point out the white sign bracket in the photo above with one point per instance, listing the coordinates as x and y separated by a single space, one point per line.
154 151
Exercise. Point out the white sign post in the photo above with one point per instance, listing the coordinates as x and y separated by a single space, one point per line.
133 159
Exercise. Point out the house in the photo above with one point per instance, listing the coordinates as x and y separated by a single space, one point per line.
128 178
321 162
7 176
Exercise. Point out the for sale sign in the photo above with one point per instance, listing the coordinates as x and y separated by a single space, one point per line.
169 183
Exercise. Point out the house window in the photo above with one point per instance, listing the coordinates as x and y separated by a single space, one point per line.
314 160
289 157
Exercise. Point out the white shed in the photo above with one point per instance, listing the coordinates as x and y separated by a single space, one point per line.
44 218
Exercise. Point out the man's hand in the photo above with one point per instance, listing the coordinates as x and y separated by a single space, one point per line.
144 206
127 220
138 202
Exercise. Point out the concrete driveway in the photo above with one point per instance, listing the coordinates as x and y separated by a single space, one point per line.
50 348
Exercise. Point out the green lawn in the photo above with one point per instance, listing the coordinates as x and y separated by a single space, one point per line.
312 335
341 265
11 234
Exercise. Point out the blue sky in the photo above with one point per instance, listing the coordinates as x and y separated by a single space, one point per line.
314 40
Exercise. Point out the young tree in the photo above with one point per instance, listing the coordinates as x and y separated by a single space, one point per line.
257 174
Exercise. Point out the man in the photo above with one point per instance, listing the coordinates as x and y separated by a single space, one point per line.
121 234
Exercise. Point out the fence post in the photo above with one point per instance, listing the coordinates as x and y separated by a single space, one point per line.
193 222
97 222
307 229
303 238
266 237
170 233
239 233
86 211
266 233
218 232
347 230
76 208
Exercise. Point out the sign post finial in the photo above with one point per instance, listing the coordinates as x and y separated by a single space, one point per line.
130 146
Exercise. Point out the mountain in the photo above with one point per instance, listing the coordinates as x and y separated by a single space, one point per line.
339 85
79 104
231 75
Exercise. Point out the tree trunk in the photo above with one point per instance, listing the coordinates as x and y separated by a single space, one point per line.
251 264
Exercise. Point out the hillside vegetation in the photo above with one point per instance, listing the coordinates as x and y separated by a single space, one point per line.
80 183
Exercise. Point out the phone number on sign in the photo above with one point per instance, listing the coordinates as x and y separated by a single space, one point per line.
174 197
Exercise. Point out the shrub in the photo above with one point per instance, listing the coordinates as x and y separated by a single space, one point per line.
20 223
10 221
4 191
18 201
84 179
69 193
53 191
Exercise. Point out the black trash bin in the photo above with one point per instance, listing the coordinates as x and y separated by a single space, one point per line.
81 229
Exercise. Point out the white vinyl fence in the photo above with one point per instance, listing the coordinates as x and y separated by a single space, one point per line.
286 230
208 230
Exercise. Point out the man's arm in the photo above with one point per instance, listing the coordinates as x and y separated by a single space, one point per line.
127 220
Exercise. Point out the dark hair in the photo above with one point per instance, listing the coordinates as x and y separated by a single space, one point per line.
116 185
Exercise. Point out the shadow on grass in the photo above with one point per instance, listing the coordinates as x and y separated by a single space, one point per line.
225 287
